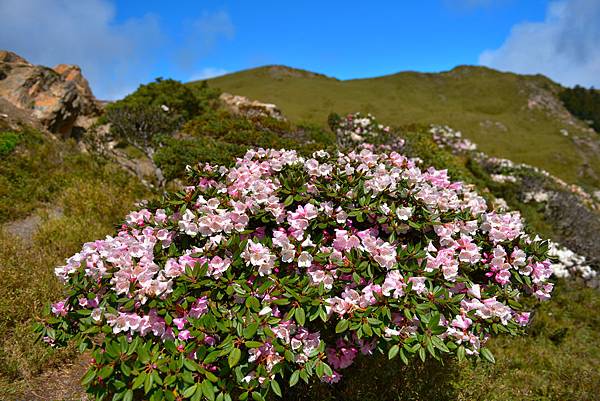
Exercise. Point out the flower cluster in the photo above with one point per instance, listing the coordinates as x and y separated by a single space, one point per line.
286 267
570 264
356 129
445 136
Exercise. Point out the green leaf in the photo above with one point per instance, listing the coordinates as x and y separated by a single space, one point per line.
256 396
148 383
439 344
252 303
106 371
393 351
367 329
341 326
403 357
434 320
276 388
300 316
208 389
294 378
320 369
190 365
250 330
460 353
327 370
128 395
139 380
487 354
213 356
190 391
88 377
234 357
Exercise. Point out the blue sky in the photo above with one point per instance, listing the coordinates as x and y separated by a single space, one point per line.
120 44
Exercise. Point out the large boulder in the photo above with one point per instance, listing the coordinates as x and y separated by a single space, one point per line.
59 98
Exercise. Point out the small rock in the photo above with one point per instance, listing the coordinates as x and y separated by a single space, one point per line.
251 108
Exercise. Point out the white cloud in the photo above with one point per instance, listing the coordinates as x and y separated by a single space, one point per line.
201 36
565 46
207 73
110 54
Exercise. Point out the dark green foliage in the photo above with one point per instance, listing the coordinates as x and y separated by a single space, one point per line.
158 108
8 142
583 103
140 125
219 137
181 100
333 120
176 154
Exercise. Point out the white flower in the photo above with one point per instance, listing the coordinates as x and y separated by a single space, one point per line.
404 213
305 259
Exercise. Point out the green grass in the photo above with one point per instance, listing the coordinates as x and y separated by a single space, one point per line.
40 175
467 98
8 142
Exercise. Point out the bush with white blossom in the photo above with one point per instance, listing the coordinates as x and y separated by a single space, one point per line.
283 268
445 136
356 129
568 264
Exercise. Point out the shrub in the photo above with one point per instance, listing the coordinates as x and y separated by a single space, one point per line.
356 129
220 137
583 103
140 126
171 95
283 268
175 154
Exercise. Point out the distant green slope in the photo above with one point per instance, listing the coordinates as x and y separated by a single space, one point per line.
508 115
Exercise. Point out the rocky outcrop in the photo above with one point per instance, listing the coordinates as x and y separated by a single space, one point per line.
59 98
250 108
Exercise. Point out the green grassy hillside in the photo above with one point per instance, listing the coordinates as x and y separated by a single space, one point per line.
513 116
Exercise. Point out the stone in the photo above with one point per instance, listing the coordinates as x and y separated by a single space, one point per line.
251 108
59 98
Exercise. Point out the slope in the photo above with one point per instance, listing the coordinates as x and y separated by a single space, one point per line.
509 115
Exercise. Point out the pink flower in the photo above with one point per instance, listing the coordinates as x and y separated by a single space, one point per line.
342 356
334 378
522 318
199 308
180 322
60 308
461 322
418 284
184 335
160 216
218 266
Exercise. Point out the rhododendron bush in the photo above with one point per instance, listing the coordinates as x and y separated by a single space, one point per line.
356 129
284 268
